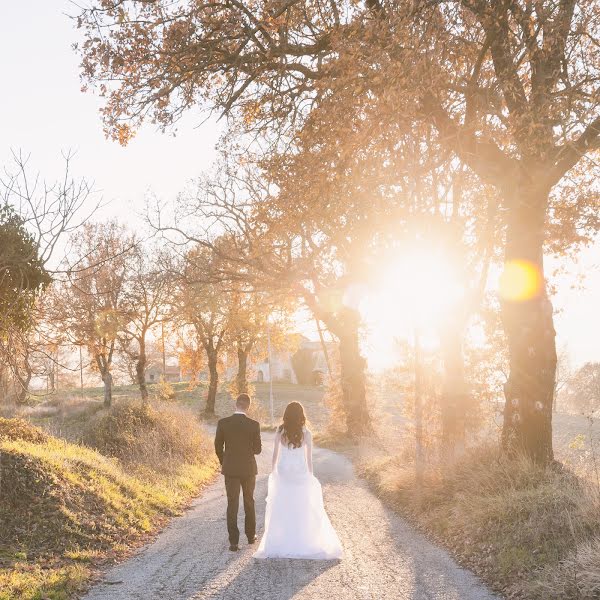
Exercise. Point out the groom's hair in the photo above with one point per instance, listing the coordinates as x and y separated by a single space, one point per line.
243 402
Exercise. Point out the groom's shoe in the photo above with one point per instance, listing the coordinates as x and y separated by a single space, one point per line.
252 540
234 547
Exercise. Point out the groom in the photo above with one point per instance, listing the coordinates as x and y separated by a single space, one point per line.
236 442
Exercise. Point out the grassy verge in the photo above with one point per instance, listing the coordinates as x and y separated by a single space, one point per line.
529 532
66 508
64 411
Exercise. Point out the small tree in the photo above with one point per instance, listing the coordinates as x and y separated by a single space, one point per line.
583 388
22 278
146 293
90 305
203 305
255 316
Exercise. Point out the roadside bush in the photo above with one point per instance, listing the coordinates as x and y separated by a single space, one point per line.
529 531
19 429
63 505
165 391
157 436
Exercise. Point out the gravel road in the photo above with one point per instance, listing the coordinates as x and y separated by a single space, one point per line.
384 557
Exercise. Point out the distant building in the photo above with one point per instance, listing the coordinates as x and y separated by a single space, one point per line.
155 371
281 366
306 366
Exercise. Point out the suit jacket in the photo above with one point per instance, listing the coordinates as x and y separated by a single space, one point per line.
236 442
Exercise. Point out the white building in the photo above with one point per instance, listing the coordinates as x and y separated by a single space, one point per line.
281 366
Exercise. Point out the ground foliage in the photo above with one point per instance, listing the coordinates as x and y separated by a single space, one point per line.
527 530
65 507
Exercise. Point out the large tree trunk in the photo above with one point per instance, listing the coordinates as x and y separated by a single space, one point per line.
140 372
213 382
454 388
241 378
352 371
529 326
108 381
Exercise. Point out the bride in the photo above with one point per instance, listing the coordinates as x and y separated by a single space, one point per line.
296 524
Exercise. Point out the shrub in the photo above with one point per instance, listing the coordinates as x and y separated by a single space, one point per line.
63 504
58 496
154 436
164 390
19 429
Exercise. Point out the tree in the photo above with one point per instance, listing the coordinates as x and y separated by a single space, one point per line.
147 290
583 388
563 375
34 216
90 305
247 332
23 278
510 88
22 273
204 305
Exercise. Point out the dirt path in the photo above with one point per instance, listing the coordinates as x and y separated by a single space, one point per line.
385 558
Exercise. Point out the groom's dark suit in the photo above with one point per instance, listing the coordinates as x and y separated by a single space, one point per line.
236 442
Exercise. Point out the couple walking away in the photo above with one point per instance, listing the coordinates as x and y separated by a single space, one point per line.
296 524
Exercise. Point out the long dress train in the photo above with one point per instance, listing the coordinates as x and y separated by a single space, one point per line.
296 524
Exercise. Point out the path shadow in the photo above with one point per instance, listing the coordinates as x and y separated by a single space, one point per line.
433 571
273 579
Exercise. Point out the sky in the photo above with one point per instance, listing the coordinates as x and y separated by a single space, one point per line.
44 113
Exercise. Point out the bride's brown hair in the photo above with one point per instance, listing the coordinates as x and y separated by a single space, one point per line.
293 423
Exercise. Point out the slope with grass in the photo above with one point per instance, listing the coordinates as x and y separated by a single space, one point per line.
66 507
528 531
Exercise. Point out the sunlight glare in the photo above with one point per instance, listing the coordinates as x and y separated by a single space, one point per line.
423 287
418 289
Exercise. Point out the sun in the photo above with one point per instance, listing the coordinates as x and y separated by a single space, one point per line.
414 291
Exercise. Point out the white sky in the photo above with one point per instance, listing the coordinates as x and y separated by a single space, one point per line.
43 112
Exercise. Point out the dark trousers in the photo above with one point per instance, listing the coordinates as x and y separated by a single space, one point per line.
233 485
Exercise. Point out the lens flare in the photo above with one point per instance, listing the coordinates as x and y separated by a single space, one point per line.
521 280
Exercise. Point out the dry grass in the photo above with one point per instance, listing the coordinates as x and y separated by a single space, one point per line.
65 505
530 532
160 435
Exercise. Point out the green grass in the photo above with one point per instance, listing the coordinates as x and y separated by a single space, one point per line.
66 506
34 582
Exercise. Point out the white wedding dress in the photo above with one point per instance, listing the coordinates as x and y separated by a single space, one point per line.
296 524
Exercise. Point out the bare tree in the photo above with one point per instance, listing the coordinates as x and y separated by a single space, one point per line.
147 292
90 305
204 305
35 219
